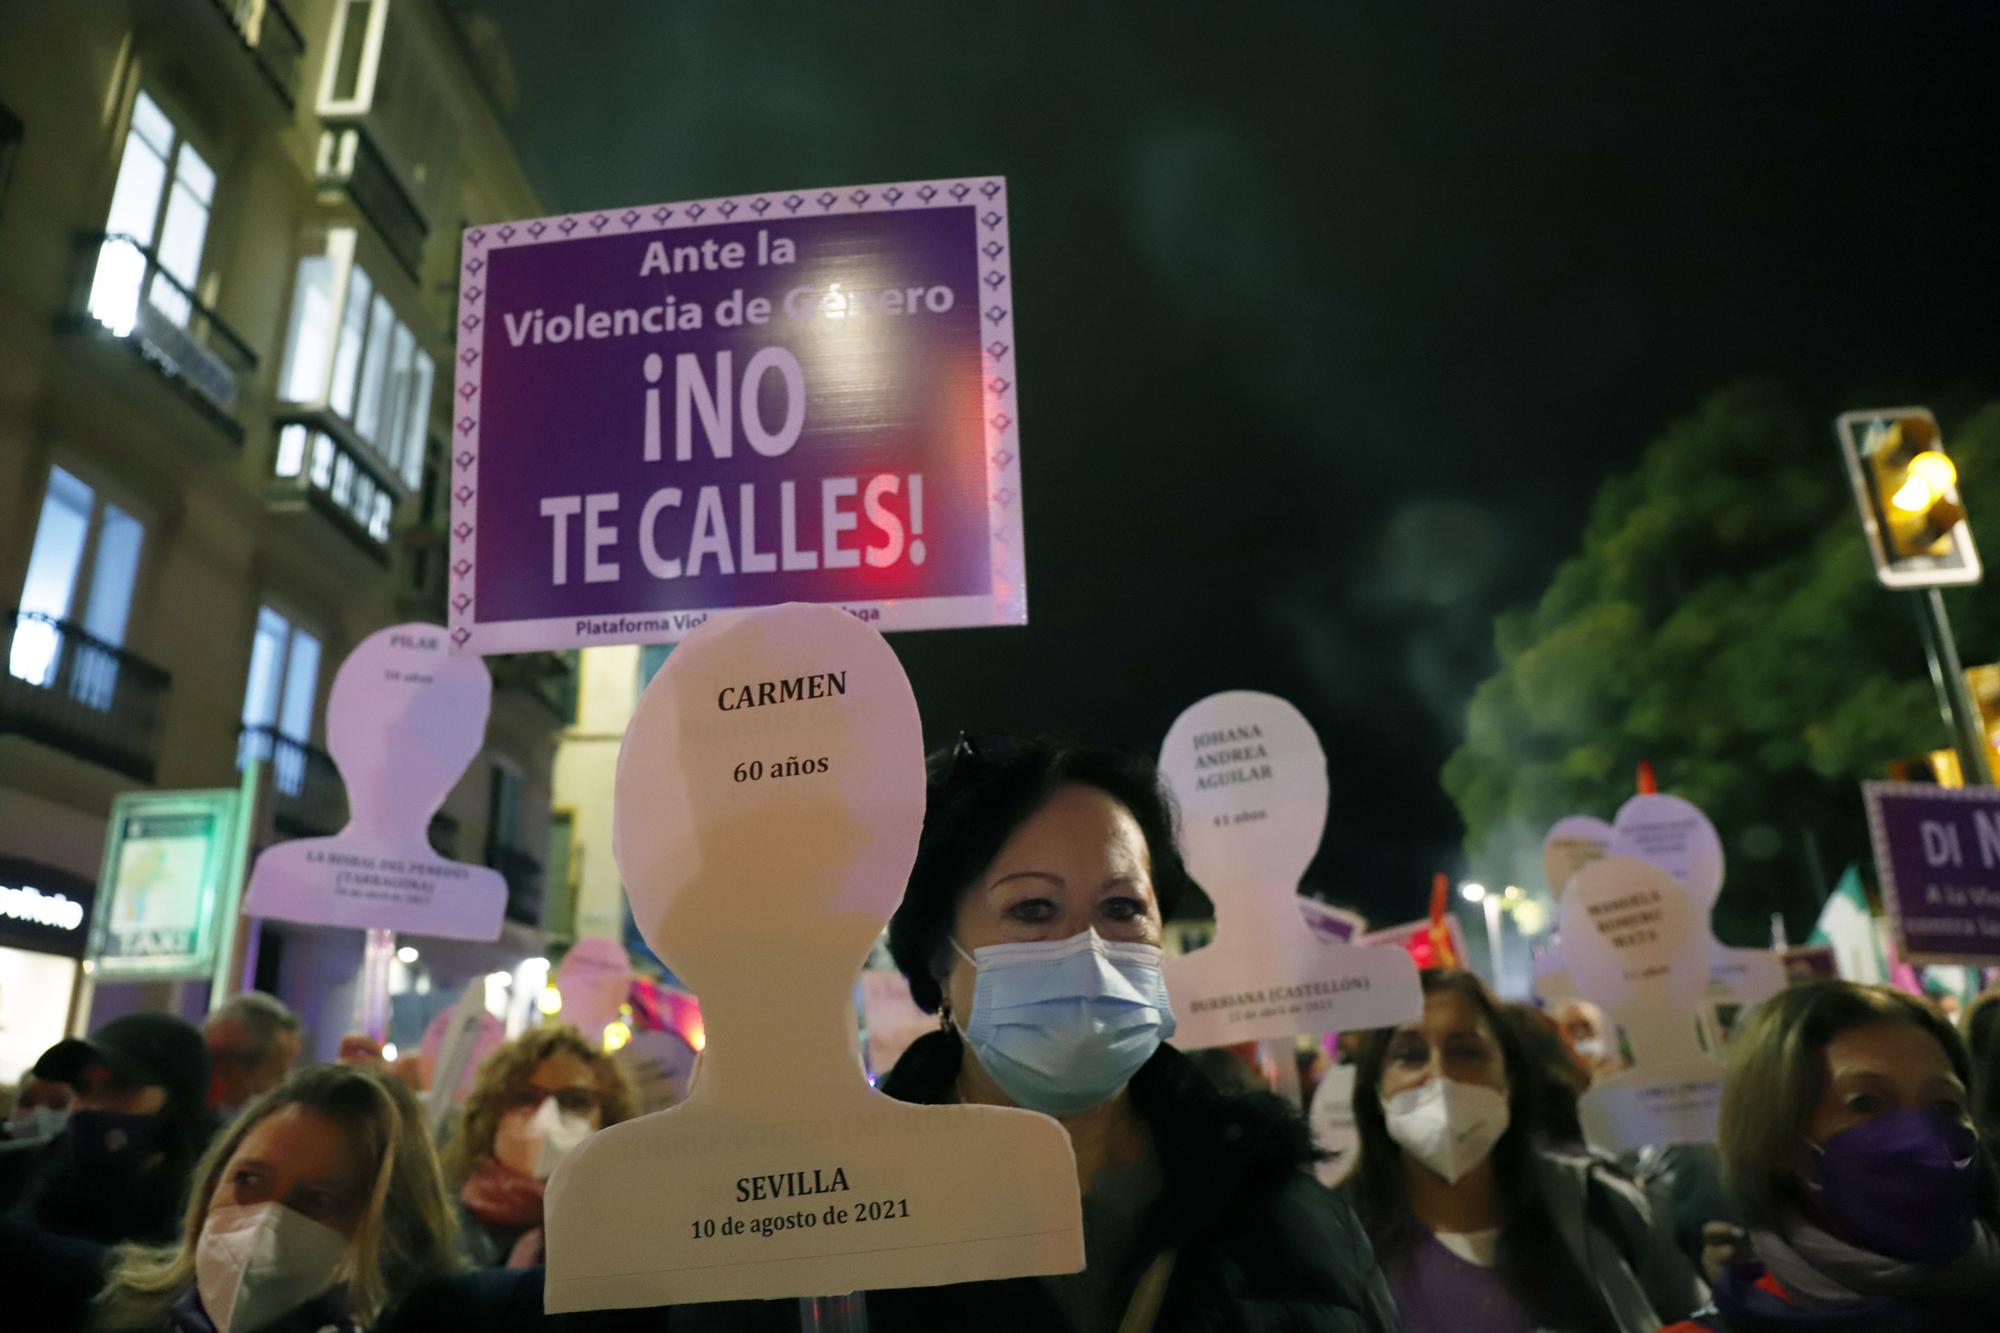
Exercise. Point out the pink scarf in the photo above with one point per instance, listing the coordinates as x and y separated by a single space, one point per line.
502 1197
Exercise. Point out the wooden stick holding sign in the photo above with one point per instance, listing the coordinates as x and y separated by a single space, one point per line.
765 817
1250 779
404 720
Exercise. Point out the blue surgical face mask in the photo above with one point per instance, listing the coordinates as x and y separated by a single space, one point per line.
1062 1025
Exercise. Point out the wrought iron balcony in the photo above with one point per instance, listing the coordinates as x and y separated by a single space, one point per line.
314 464
523 874
68 689
350 162
272 40
311 802
123 293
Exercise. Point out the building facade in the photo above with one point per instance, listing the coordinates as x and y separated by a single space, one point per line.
229 239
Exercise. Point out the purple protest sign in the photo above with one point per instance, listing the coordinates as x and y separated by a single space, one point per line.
1937 850
667 411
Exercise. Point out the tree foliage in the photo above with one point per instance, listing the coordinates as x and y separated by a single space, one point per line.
1721 621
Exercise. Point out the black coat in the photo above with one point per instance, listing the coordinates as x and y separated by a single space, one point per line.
44 1188
1261 1246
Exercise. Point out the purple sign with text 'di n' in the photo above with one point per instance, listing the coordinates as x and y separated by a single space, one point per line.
668 411
1937 850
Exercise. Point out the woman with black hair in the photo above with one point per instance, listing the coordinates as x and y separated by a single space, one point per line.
1477 1224
1032 925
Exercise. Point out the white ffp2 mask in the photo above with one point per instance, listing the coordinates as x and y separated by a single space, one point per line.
560 1132
1448 1126
255 1263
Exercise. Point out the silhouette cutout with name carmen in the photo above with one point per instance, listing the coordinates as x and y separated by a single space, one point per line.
404 720
768 800
1250 779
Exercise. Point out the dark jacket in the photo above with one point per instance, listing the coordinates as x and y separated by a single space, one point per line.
46 1189
1749 1300
1261 1246
1616 1236
49 1281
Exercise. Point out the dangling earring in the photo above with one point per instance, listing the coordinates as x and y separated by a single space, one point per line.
944 1015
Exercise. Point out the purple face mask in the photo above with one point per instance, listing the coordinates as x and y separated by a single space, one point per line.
1902 1185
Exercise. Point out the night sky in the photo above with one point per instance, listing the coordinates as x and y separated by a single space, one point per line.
1332 318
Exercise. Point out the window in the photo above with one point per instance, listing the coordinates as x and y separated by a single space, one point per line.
377 73
572 685
278 698
159 209
652 656
352 33
80 574
10 143
346 351
503 808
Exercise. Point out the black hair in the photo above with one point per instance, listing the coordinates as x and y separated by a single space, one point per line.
1982 1036
1533 1261
978 792
1560 1078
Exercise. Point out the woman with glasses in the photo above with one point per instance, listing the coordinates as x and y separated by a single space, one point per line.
1032 925
1480 1223
534 1100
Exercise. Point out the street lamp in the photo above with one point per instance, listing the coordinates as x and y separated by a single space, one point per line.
1476 893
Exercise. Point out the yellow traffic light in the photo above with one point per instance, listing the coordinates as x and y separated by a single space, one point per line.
1916 488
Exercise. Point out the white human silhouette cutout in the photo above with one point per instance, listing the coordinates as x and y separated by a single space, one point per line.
1250 779
1637 944
404 720
1572 843
768 799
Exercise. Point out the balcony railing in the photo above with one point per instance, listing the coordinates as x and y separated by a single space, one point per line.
71 690
124 292
310 799
545 677
272 40
523 874
350 162
313 464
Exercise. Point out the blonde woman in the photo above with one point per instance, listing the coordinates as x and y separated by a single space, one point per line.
1847 1137
318 1208
535 1099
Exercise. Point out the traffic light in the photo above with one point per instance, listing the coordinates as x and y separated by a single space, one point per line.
1907 488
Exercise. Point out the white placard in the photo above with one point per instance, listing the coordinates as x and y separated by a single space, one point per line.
404 720
1637 944
769 796
1675 835
1250 778
455 1044
661 1064
593 979
1572 843
1333 1127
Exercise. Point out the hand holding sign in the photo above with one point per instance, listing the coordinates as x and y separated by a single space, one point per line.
1637 944
404 720
768 800
1250 779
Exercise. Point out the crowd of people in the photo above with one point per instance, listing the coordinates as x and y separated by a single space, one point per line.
159 1178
